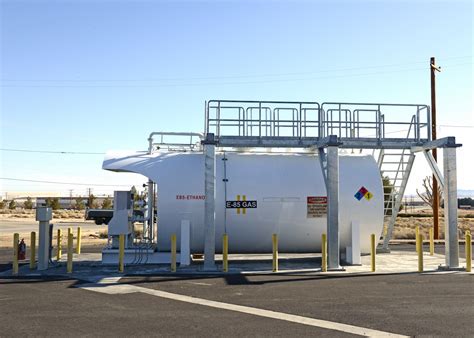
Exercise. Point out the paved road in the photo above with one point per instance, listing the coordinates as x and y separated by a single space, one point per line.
409 304
10 226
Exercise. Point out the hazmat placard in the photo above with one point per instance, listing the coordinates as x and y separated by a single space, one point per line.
363 193
316 206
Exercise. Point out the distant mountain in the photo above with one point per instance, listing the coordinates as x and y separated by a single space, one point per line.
466 193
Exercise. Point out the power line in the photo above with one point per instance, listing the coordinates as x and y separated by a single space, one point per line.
453 126
68 183
212 83
228 76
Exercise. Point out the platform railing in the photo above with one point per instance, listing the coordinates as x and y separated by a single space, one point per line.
262 118
276 119
175 141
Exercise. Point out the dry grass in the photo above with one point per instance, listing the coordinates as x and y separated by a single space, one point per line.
405 227
62 214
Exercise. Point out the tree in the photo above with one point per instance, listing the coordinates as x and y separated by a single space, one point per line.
465 201
2 204
107 203
55 203
427 194
79 203
91 201
12 205
28 203
52 203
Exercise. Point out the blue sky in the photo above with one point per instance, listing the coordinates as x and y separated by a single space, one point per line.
91 76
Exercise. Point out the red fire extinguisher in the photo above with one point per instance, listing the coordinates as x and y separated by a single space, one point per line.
22 250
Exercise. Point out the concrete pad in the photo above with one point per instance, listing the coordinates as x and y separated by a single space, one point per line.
396 262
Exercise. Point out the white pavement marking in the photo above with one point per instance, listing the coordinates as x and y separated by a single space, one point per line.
325 324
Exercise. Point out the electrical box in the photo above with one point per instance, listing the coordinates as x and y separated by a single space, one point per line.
123 209
44 214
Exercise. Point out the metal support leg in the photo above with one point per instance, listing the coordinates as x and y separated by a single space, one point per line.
322 162
210 201
333 206
451 208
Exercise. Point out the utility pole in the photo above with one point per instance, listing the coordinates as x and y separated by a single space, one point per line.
433 69
70 198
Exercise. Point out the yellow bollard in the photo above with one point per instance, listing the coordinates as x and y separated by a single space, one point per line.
419 242
372 252
225 253
324 255
69 231
275 252
173 253
417 232
16 239
468 251
59 249
32 250
121 251
431 242
70 243
78 246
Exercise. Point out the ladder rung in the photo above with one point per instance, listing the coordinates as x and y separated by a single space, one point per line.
393 162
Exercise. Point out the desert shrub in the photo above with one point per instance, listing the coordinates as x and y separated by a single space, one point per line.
107 203
28 203
12 205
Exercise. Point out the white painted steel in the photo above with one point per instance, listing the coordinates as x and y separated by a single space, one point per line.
280 183
185 243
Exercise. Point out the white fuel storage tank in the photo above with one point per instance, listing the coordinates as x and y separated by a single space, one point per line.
258 195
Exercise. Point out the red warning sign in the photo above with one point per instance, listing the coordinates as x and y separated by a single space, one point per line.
317 206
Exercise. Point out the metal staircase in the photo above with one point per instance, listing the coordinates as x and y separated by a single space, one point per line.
395 166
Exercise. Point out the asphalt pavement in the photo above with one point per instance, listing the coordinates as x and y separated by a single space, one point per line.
410 304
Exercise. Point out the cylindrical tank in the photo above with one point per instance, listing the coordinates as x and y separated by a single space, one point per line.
283 193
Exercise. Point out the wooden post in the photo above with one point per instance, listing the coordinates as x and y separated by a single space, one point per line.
434 68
